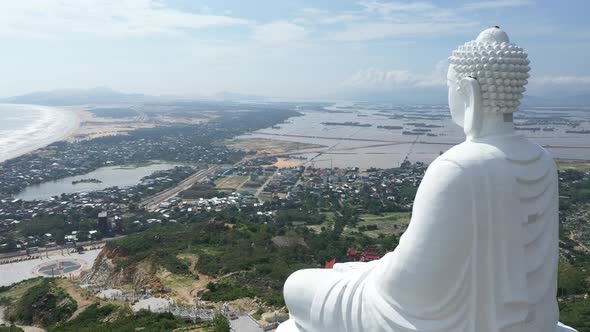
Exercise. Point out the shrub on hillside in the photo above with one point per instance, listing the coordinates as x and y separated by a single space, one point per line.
44 304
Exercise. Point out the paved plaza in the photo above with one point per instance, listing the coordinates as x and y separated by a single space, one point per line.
15 272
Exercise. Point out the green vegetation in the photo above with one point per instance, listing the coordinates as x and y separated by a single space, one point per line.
577 165
201 190
44 305
226 291
265 197
16 290
574 188
11 328
230 182
245 250
258 314
252 255
573 280
88 318
392 223
574 271
160 245
576 313
573 283
221 324
109 317
41 302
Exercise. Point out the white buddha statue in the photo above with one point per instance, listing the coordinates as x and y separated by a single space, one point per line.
481 251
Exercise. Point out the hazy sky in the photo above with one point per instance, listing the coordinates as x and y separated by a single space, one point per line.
288 49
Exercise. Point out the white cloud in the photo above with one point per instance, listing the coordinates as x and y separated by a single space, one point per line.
386 8
311 10
372 78
279 32
381 30
497 4
381 20
343 18
52 18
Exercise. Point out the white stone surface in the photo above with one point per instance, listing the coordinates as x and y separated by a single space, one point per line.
153 304
110 294
15 272
481 251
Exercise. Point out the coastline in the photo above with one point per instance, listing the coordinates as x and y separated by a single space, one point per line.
55 124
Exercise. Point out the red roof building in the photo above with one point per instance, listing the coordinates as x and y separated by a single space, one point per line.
369 254
330 264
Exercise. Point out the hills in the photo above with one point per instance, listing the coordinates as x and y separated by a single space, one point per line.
98 95
105 95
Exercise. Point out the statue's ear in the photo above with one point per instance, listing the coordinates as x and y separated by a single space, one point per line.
473 112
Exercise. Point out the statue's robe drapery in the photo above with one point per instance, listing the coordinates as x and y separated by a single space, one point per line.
480 254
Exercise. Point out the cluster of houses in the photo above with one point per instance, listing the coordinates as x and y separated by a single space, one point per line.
284 180
84 216
61 159
92 215
343 183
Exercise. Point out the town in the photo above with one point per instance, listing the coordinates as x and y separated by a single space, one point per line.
225 222
261 189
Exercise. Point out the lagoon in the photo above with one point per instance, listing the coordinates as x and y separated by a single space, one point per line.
120 176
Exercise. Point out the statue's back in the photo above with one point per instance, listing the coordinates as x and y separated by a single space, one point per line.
481 251
515 201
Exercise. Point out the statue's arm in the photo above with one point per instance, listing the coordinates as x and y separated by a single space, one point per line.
434 252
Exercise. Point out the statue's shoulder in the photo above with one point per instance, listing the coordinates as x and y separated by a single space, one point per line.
468 154
494 151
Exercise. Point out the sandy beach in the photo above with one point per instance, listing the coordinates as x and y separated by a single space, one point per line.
25 128
92 126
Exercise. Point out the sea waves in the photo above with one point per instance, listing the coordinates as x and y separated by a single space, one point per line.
24 128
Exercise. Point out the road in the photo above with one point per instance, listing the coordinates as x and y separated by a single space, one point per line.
153 202
48 251
259 190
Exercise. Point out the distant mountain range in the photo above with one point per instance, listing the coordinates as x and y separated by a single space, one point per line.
104 95
100 95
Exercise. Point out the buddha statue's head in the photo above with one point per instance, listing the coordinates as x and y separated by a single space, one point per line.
486 80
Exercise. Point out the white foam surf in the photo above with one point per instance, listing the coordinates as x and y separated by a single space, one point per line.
37 126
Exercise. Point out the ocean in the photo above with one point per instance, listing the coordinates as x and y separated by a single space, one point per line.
24 128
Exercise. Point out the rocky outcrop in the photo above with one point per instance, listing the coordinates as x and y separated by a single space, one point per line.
108 271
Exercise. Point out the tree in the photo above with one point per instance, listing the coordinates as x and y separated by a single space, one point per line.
221 324
571 280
